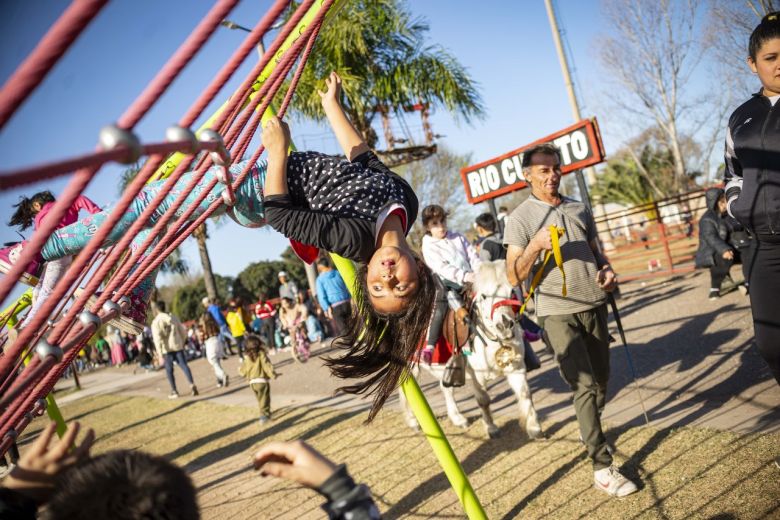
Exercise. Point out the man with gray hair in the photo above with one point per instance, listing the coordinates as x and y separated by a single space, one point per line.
572 306
287 289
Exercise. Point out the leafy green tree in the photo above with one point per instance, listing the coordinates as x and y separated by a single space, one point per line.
262 277
187 299
381 52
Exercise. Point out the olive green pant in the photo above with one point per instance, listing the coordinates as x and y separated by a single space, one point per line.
263 393
581 345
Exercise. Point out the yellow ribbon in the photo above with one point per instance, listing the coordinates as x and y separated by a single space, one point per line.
555 234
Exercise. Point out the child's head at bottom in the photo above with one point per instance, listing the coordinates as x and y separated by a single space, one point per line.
123 485
393 306
252 346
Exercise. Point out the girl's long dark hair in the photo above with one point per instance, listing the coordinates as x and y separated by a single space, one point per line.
379 347
25 214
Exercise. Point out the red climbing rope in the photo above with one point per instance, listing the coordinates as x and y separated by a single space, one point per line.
51 47
82 177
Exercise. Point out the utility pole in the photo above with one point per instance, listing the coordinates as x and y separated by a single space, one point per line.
598 210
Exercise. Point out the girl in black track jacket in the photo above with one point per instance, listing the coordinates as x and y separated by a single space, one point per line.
753 184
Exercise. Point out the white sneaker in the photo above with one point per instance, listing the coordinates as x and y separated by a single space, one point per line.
611 481
173 395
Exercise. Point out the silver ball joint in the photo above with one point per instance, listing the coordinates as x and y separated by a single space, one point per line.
124 302
88 318
37 410
220 156
45 349
112 136
111 306
178 133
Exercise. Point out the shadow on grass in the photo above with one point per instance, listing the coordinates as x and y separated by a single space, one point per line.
90 412
241 446
512 438
146 420
544 485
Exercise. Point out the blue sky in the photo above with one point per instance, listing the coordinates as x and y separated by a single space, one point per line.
506 45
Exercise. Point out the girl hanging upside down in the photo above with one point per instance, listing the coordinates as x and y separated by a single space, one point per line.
356 208
361 210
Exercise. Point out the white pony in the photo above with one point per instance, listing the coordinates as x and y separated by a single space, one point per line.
497 350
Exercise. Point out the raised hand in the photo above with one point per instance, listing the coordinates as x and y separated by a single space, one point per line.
38 468
296 461
332 92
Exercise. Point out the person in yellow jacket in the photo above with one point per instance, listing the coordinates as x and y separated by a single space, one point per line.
235 321
258 371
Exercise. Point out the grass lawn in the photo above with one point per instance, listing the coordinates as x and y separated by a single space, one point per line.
685 473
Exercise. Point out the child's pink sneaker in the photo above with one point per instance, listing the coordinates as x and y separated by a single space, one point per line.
9 255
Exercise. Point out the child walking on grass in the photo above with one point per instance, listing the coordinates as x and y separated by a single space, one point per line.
258 370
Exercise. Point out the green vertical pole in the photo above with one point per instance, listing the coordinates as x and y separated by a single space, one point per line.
428 423
52 410
55 415
10 312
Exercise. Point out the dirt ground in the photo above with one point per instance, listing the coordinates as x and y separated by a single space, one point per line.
709 451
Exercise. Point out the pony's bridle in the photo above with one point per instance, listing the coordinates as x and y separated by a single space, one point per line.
506 354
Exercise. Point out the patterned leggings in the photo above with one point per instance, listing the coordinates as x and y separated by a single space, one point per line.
247 211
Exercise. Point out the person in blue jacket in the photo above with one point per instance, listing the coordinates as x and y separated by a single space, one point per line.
332 294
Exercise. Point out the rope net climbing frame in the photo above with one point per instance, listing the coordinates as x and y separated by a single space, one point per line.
53 337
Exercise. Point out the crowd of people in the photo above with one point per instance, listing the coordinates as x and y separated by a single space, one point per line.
362 211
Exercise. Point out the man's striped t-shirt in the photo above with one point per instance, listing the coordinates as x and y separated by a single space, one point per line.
579 262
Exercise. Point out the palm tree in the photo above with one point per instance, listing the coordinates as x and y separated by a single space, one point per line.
201 234
380 51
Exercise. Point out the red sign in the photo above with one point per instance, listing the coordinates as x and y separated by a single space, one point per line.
580 146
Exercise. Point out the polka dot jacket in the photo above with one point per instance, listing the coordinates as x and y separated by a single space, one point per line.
333 204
